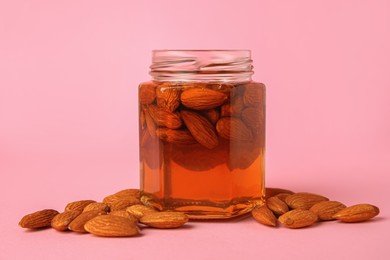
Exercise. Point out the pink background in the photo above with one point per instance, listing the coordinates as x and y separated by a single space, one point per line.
69 72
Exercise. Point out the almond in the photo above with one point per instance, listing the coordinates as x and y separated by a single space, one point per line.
212 115
164 219
357 213
202 98
303 200
122 204
283 196
78 205
326 209
150 124
270 192
200 128
228 89
264 215
175 136
38 219
298 218
233 108
145 137
122 195
124 214
277 206
140 210
233 129
112 226
147 93
253 117
97 206
168 97
61 221
77 225
164 118
254 94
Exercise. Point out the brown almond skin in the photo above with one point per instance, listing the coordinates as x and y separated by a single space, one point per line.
78 205
77 225
254 94
264 216
200 128
61 221
97 206
164 118
123 195
39 219
270 192
122 204
277 206
112 226
202 98
164 219
303 200
283 196
147 93
233 128
124 214
140 210
183 137
298 218
326 209
168 97
357 213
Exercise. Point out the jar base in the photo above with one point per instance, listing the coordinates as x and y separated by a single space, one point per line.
204 209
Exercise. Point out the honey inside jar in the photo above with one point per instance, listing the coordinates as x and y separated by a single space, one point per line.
202 147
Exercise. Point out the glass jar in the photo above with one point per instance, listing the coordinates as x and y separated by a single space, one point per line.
202 133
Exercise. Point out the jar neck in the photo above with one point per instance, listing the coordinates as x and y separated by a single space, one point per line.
202 65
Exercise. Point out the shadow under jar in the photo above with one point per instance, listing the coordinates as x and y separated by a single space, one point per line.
202 133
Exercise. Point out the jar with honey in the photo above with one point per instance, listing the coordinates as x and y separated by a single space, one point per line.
202 133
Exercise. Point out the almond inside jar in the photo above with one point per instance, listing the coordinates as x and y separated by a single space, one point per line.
202 147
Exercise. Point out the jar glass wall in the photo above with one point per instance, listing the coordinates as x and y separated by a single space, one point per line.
202 134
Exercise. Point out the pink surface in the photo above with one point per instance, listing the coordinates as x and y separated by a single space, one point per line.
68 118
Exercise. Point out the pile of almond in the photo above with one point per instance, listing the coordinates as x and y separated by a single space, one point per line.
118 215
122 214
303 209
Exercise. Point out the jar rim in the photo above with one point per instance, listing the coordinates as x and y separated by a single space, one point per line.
216 65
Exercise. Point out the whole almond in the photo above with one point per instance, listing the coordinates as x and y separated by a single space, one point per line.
164 219
124 214
151 126
212 115
61 221
77 225
145 137
277 206
283 196
234 129
122 204
97 206
202 98
254 94
112 226
233 108
140 210
298 218
270 192
78 205
164 118
326 209
303 200
357 213
264 215
200 128
253 117
38 219
183 137
168 97
123 195
147 93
